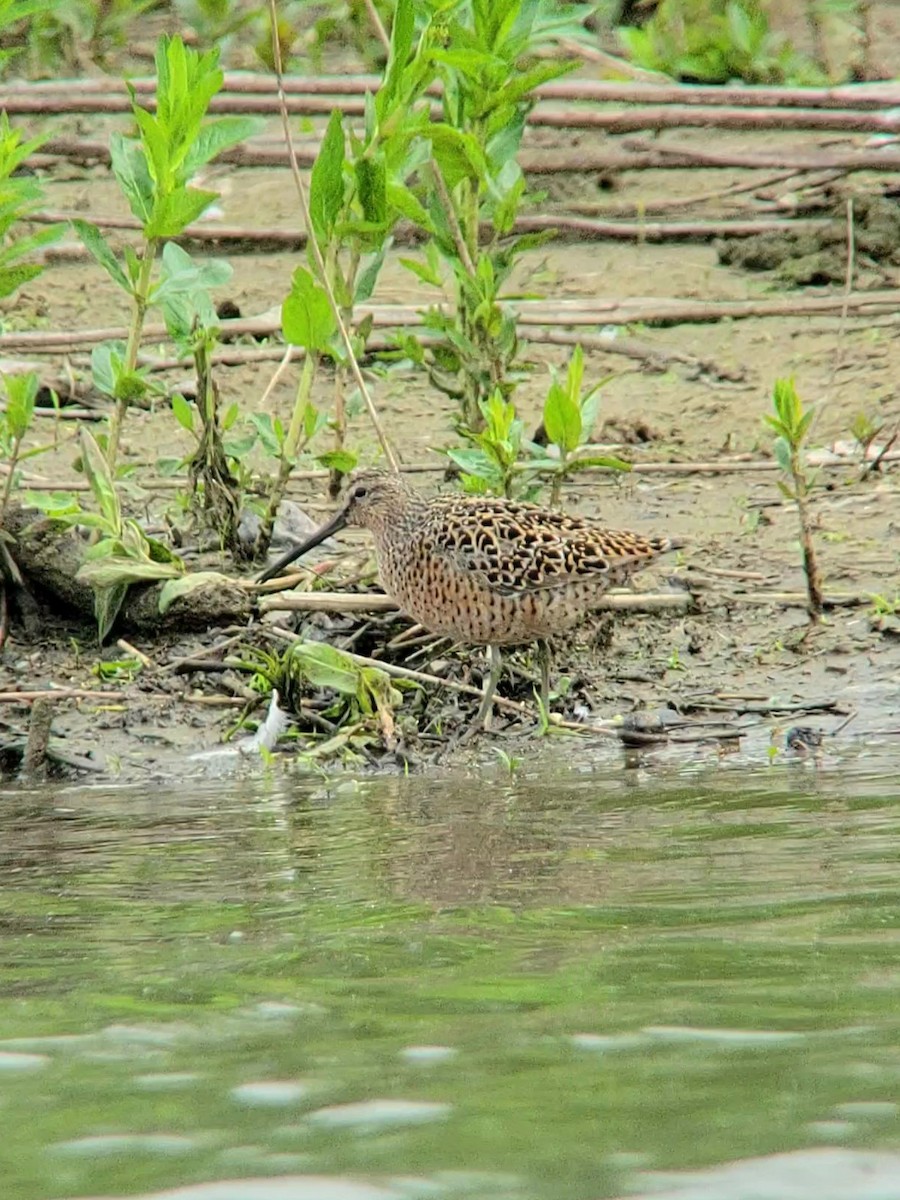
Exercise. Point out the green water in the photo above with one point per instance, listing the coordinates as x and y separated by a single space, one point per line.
616 973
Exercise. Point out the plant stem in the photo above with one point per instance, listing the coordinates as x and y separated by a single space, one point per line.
141 298
810 562
10 475
317 252
289 451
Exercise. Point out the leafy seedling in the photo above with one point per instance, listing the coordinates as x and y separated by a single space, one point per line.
121 554
790 423
155 173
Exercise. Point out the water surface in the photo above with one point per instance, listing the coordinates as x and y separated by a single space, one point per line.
524 986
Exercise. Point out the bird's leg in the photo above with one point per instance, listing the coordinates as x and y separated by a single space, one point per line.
490 686
543 657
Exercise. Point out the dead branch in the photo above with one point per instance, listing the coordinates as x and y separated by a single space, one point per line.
344 602
633 155
531 313
49 557
868 96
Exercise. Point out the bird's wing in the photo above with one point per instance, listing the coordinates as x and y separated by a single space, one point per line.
515 549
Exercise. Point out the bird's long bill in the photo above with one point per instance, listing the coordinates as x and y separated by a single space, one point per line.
335 525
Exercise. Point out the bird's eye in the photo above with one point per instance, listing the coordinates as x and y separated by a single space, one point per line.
359 492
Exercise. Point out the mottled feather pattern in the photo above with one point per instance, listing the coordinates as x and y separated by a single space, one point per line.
487 570
515 548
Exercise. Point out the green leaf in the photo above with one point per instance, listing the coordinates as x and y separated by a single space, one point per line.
371 186
217 136
325 666
96 244
338 460
575 374
185 585
562 418
129 166
184 414
107 365
326 185
263 424
608 461
57 505
12 278
783 453
368 276
307 318
173 213
22 246
407 204
402 33
421 271
804 423
458 155
21 393
115 570
97 473
182 273
107 605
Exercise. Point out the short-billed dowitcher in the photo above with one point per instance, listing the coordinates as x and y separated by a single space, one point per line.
486 571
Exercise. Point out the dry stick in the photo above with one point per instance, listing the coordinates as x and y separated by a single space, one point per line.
377 25
727 467
581 228
641 116
688 117
884 452
635 156
342 602
875 95
133 650
848 286
287 356
595 207
34 759
680 156
645 310
317 252
634 348
55 694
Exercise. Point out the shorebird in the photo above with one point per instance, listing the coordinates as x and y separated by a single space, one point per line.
483 570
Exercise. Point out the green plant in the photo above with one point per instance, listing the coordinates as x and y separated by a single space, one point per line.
62 35
864 430
218 22
570 414
365 694
713 41
121 669
154 172
192 324
358 190
884 607
121 553
485 53
20 195
15 422
791 423
503 461
494 463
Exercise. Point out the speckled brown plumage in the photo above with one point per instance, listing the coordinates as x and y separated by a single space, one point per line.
482 570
